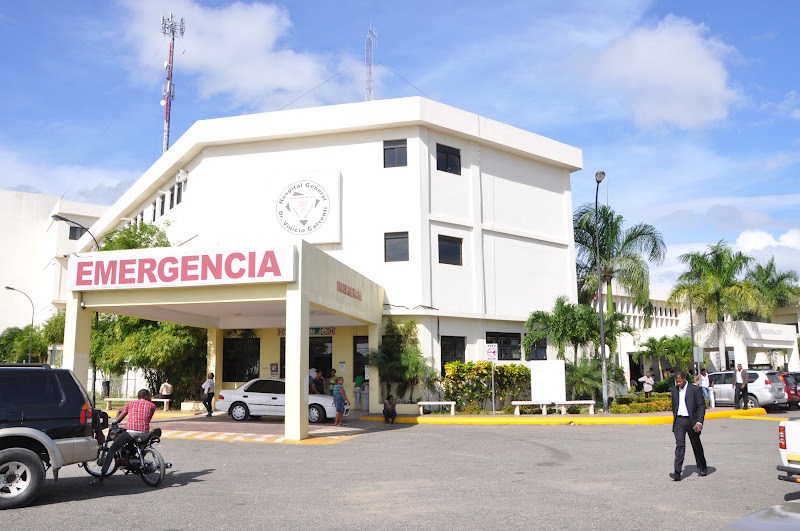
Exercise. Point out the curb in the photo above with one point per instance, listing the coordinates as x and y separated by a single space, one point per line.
582 420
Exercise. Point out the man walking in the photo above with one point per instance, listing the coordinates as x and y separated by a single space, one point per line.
740 387
208 391
688 414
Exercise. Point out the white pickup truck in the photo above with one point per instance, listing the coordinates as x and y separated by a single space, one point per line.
789 445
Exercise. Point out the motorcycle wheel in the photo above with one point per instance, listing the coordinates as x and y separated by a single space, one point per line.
95 468
153 468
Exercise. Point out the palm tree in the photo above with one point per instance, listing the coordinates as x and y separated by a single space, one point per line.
778 289
557 327
714 281
654 348
624 253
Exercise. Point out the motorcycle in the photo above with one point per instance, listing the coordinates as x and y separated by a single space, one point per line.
136 457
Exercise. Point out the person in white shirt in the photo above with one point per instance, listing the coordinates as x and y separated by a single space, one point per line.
648 384
208 389
703 382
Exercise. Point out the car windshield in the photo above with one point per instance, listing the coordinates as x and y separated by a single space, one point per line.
789 379
774 378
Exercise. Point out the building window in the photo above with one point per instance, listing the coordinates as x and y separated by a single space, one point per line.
395 247
508 345
172 197
449 250
178 193
163 202
360 355
539 351
240 358
453 349
75 233
448 159
154 211
394 153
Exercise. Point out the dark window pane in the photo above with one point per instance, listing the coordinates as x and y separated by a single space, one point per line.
508 345
394 153
163 203
29 388
453 349
259 386
75 233
178 193
275 387
539 350
240 359
448 159
395 247
360 355
449 250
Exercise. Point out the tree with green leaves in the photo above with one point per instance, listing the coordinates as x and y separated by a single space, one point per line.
388 357
778 289
557 327
135 236
624 253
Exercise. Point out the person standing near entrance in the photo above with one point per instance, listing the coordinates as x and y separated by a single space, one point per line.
648 384
339 400
704 383
740 387
688 414
208 389
332 381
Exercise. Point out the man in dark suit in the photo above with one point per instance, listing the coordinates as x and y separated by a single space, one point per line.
688 414
740 387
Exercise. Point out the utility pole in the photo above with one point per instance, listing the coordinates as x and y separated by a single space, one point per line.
369 49
169 27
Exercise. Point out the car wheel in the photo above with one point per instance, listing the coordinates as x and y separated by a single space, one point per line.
316 413
21 477
239 411
752 401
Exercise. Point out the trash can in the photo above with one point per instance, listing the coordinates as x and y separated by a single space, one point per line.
364 402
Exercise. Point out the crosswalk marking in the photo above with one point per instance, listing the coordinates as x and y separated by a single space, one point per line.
324 436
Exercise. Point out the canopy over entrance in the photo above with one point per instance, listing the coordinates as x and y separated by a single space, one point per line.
293 287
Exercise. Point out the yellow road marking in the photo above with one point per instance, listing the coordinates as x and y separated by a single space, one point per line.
314 438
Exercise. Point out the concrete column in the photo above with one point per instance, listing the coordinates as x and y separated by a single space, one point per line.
77 339
740 354
297 310
375 399
794 358
214 341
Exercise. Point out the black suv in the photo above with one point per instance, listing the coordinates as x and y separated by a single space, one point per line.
46 421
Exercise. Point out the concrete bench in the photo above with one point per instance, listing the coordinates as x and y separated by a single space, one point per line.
517 403
566 403
445 403
165 401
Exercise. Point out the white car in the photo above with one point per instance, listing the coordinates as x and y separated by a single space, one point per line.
266 396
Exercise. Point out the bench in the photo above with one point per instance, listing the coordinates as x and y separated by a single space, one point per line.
566 403
165 401
517 403
445 403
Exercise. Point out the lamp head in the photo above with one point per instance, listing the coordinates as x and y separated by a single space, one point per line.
599 176
9 287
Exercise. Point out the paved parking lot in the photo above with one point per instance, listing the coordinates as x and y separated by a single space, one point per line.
440 477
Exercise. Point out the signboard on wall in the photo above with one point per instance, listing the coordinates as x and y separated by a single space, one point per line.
491 351
548 381
323 331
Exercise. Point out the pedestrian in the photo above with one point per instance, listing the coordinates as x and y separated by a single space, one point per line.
318 383
165 391
740 388
389 410
704 383
688 414
648 384
332 381
339 400
208 389
357 383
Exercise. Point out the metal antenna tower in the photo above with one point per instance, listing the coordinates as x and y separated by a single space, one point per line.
169 26
369 48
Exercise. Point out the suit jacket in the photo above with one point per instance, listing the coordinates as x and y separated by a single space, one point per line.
695 403
744 378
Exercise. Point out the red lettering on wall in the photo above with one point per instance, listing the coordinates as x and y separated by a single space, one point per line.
146 268
127 271
105 273
207 266
168 275
84 274
229 265
269 264
189 267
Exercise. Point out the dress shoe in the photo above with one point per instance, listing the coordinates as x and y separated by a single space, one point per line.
675 475
704 472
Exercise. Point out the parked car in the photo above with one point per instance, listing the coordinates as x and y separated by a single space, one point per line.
764 388
46 422
789 380
266 397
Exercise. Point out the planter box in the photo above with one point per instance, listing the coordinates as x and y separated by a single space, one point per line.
191 405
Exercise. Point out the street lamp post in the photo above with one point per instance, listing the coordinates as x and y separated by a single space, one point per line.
598 177
30 345
58 217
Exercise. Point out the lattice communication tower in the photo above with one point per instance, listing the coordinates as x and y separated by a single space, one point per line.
169 27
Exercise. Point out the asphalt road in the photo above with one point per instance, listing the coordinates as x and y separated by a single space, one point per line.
435 477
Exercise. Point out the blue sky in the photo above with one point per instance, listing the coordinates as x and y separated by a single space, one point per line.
691 108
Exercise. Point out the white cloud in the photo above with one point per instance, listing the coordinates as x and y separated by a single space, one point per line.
672 75
788 106
238 51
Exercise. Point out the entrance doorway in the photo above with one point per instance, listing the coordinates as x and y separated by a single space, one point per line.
320 355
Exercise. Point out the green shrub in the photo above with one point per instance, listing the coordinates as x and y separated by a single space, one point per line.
574 409
625 399
620 409
471 383
663 386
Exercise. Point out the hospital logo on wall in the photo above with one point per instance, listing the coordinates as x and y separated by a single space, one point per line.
303 207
